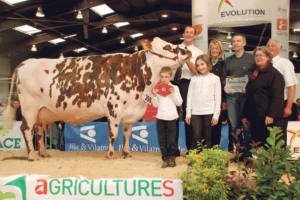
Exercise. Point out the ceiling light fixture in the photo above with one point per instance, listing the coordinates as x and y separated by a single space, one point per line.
61 56
79 15
104 30
295 55
122 41
33 48
230 45
136 48
40 12
174 28
229 36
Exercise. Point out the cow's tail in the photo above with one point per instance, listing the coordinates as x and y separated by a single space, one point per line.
10 113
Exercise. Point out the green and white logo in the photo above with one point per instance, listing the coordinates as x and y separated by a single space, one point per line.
18 184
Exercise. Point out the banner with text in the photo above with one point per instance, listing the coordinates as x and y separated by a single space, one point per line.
239 13
93 137
26 187
293 138
12 139
280 25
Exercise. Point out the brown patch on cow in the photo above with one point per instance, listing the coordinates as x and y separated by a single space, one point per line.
110 134
112 142
116 105
54 71
130 71
124 102
110 98
137 96
125 129
110 109
116 125
42 90
18 82
111 153
65 105
24 125
46 71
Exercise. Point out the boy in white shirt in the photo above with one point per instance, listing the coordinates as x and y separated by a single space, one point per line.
166 117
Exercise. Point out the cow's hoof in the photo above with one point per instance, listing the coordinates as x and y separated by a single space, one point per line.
33 157
111 155
126 155
44 154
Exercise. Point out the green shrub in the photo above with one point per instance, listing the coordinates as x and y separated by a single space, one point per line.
203 180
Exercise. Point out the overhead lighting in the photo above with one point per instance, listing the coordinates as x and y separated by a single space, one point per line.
120 24
295 42
181 38
298 30
29 30
136 35
69 36
57 40
122 41
136 48
79 15
40 12
33 48
13 1
80 49
104 30
61 56
164 15
174 28
229 36
295 55
102 10
230 45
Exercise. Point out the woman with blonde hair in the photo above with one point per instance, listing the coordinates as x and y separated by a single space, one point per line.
216 54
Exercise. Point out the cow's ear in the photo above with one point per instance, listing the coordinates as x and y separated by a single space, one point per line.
146 44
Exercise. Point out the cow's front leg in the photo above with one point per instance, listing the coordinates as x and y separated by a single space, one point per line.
113 126
127 129
41 144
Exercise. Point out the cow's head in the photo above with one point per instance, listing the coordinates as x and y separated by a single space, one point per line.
169 54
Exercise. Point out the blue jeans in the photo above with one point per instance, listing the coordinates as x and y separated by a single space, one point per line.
235 106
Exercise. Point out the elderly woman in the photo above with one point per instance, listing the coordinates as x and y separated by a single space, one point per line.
216 53
264 97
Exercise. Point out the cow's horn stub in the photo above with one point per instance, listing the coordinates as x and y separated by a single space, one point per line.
145 44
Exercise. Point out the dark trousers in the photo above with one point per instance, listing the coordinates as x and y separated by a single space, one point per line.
282 123
216 134
166 132
201 130
260 133
183 86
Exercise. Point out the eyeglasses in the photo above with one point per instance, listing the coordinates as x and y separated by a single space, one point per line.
259 55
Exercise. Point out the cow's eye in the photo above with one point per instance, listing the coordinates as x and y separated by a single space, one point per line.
167 47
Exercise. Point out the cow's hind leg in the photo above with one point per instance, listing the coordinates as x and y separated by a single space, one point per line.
27 130
113 126
41 143
127 129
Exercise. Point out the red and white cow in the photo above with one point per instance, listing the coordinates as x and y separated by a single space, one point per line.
77 90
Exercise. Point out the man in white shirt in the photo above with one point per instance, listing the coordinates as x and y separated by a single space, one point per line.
183 76
286 68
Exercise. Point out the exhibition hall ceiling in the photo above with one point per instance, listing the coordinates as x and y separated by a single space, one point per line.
94 27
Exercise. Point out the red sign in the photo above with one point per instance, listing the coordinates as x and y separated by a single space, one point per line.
282 24
163 89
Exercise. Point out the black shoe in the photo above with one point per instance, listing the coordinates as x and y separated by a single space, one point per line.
172 161
177 153
166 164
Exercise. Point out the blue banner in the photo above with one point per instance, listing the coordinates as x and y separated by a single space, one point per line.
93 136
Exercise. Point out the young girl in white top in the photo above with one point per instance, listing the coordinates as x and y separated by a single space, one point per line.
203 102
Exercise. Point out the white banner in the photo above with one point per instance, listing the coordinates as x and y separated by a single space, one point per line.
27 187
293 138
199 20
280 24
12 139
228 13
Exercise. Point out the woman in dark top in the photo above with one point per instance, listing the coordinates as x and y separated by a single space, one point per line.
216 53
264 97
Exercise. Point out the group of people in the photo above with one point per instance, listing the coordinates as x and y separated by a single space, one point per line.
199 91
